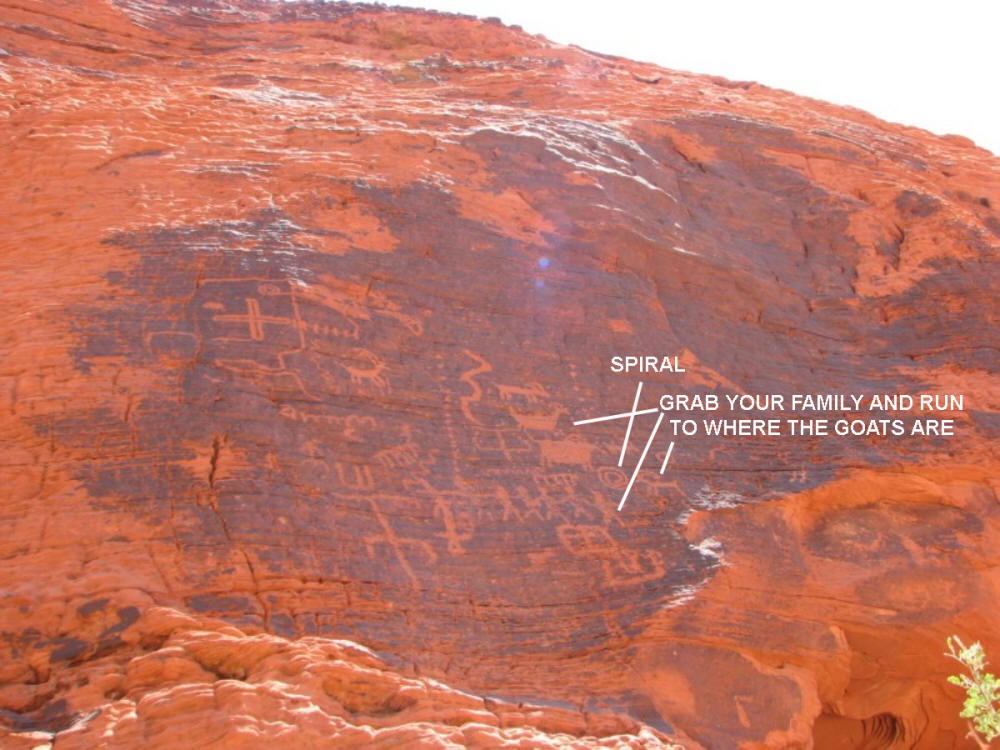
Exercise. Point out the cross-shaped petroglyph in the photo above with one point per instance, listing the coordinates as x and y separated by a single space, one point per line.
254 320
631 415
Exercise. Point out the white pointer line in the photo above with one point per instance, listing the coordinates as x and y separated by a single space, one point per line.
666 458
617 416
631 419
641 459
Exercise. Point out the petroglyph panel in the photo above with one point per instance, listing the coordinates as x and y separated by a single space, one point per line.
354 417
395 415
295 335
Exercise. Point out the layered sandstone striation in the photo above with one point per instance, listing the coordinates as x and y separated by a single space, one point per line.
203 681
298 302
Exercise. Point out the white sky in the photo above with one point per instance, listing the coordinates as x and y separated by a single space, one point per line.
935 65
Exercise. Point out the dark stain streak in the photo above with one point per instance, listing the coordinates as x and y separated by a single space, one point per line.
134 155
217 444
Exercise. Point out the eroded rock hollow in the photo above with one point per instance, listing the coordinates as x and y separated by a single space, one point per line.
298 304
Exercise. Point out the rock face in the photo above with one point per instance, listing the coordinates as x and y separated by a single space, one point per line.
299 302
205 681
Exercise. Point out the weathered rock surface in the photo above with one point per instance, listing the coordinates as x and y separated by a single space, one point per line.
191 679
298 304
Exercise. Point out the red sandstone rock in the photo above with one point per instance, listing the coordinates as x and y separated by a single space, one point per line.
284 372
214 684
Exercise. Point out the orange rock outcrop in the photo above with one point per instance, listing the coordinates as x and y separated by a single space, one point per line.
298 303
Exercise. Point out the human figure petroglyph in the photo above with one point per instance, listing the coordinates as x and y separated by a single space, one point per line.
464 514
508 507
574 510
560 481
533 502
527 501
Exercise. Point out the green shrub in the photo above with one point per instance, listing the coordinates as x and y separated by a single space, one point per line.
982 690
